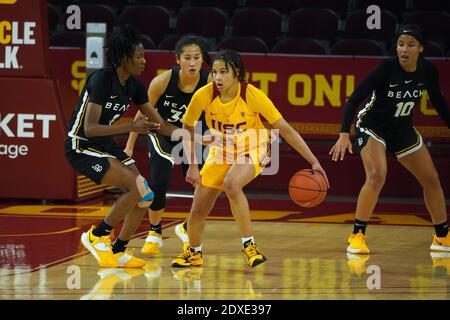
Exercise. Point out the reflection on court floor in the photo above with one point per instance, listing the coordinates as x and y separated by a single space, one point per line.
41 257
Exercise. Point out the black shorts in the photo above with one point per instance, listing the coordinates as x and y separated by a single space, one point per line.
91 159
399 142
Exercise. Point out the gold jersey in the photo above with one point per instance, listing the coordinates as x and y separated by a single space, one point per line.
237 120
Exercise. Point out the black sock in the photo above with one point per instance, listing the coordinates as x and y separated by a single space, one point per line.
185 225
359 225
441 229
247 243
119 245
103 229
156 228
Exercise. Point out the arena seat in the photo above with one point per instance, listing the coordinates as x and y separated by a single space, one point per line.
299 46
243 44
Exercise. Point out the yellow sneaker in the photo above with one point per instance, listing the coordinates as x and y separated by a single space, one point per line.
254 257
357 243
189 258
128 260
440 243
109 278
100 247
356 263
153 243
181 233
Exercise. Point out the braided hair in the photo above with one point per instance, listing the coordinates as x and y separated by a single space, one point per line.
233 59
193 39
121 44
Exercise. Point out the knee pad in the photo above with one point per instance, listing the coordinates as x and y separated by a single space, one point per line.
145 192
159 202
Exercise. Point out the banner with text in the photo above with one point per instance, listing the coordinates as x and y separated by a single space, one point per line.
23 38
310 91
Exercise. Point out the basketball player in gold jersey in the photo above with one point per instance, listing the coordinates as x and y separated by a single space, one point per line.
232 110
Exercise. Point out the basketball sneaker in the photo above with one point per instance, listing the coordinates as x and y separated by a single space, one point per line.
251 252
357 243
127 259
356 263
152 243
189 258
181 232
440 243
100 247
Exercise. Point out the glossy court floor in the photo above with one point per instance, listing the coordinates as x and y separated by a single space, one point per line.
41 256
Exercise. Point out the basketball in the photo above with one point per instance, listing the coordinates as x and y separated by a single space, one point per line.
307 188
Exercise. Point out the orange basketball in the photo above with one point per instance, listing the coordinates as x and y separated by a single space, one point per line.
307 188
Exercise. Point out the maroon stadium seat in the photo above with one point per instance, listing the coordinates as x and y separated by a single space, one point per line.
243 44
94 13
169 42
68 39
204 21
283 6
340 7
435 24
397 7
299 46
313 23
356 26
264 23
150 20
425 5
357 47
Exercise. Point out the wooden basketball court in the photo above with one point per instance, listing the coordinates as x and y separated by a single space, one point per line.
41 256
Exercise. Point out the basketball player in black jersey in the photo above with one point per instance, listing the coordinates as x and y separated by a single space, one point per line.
90 148
170 92
394 87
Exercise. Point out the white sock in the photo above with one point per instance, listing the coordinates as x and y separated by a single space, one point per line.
244 240
197 249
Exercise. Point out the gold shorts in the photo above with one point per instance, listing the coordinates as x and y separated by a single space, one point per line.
217 165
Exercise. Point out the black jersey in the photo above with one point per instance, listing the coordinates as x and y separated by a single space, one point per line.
103 87
173 102
393 94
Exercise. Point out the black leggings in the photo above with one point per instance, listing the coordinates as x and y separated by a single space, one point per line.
161 165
